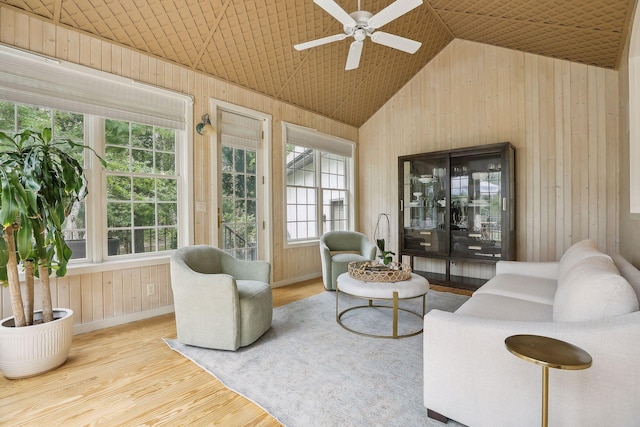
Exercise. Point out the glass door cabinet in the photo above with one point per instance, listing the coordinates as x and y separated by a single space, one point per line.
459 206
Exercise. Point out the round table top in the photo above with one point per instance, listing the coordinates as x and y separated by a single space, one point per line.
413 287
549 352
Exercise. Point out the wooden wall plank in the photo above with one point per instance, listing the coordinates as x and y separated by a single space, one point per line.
614 164
547 159
64 294
136 290
127 291
97 297
35 35
107 294
118 293
86 292
75 298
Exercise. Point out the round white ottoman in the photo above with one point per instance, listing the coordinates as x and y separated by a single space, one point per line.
415 287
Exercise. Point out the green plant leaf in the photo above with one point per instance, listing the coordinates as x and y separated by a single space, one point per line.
47 135
4 278
24 238
8 205
4 251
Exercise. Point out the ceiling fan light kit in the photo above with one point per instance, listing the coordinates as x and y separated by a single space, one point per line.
360 24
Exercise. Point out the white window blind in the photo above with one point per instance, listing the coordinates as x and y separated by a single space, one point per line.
37 80
310 138
239 131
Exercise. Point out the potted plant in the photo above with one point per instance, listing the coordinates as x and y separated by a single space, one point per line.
40 181
385 256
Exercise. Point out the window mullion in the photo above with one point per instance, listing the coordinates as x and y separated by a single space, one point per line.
96 200
319 195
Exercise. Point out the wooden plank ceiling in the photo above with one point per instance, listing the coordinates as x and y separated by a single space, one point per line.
250 43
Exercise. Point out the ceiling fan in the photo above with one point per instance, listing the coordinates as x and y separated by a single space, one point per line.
360 24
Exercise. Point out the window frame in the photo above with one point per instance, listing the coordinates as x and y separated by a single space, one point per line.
322 145
104 227
95 204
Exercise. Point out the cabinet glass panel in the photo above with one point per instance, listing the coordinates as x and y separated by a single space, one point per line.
476 207
424 195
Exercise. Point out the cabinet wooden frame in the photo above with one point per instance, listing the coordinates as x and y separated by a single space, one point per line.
458 206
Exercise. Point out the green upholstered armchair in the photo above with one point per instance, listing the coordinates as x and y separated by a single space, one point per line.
338 249
220 302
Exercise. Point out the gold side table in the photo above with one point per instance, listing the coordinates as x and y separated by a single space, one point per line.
548 353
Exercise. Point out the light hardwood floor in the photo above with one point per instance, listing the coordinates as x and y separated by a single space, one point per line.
127 376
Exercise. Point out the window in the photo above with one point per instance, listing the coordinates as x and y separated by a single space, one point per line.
318 177
142 187
141 178
239 201
137 204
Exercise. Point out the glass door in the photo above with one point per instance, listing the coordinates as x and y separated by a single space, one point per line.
239 212
424 200
476 206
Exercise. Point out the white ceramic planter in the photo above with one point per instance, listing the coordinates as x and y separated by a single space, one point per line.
33 350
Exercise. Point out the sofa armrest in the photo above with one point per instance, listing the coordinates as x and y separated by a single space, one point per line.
546 270
471 377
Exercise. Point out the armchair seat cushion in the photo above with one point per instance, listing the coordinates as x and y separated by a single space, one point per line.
340 264
345 258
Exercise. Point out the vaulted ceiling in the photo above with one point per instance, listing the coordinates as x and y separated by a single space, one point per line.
250 43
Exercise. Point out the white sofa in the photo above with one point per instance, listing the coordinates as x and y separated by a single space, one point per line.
587 299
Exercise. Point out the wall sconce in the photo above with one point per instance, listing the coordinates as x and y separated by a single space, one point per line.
205 128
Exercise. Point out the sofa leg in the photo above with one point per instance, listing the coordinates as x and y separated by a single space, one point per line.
436 416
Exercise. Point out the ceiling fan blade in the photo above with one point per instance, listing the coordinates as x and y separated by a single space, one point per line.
318 42
393 11
333 9
353 59
396 42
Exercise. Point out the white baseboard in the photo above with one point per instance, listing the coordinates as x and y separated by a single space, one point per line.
295 280
120 320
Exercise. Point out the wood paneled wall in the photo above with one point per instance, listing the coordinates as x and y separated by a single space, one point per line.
117 293
562 117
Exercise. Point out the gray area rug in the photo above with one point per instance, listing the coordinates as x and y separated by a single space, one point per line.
309 371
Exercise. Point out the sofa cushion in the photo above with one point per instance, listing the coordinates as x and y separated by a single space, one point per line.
530 288
593 289
500 307
576 253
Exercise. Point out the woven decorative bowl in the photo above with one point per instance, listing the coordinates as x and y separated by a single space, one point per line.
370 272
